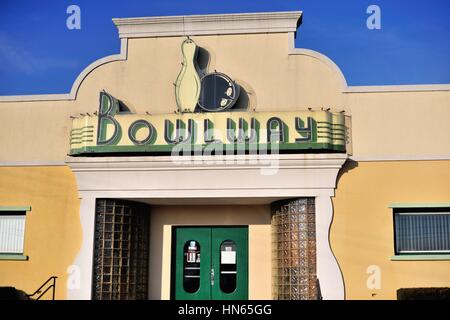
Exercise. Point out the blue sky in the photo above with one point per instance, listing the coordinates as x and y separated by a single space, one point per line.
40 55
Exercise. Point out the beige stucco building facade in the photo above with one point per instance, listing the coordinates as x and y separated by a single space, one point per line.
388 151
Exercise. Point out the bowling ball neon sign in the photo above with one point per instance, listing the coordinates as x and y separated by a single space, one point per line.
218 92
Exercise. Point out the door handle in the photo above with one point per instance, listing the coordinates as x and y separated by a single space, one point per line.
212 276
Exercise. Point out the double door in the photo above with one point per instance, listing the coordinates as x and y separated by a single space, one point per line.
211 263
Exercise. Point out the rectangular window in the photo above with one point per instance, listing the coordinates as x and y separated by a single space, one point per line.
12 230
422 230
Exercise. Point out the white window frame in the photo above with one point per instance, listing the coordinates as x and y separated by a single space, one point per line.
15 254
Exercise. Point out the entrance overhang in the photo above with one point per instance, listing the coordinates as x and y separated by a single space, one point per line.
227 179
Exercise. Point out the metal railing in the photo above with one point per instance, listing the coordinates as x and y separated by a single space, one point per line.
52 279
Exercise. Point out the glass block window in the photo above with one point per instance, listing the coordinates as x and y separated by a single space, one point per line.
294 250
121 250
422 230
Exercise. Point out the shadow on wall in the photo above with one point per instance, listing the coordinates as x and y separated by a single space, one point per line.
348 165
203 60
244 101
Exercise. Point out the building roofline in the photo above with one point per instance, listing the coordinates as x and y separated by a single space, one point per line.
236 23
209 24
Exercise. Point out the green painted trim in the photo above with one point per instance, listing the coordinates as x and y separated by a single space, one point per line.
80 138
13 256
334 130
80 141
198 147
332 123
418 257
419 205
16 208
81 134
82 128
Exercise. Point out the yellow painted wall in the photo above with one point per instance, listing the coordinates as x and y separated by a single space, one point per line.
259 243
362 229
400 124
52 227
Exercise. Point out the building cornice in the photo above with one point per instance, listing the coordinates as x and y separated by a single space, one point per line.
190 176
211 24
214 162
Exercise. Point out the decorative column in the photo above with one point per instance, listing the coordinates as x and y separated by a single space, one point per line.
328 271
82 265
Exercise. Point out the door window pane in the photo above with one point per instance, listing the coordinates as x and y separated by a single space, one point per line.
228 266
191 266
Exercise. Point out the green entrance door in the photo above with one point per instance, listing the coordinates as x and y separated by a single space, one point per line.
211 263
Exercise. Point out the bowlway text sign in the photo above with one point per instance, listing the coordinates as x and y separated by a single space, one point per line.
112 131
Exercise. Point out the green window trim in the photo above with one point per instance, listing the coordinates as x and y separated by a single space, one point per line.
15 208
421 257
418 205
13 257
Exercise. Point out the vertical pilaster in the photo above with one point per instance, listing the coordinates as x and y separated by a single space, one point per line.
83 262
328 271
